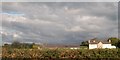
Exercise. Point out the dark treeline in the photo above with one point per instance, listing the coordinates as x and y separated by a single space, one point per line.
19 45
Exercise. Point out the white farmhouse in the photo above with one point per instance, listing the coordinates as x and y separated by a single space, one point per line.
93 43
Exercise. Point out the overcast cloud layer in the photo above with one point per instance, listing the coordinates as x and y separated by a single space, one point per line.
58 22
60 0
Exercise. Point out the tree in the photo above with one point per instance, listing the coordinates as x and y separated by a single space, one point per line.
118 44
26 45
115 41
16 44
84 43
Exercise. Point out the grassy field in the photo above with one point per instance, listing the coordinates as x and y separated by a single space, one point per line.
61 53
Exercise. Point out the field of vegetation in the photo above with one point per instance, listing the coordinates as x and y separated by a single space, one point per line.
25 51
61 53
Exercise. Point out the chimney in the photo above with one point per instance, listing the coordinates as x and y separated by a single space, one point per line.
93 40
109 41
88 41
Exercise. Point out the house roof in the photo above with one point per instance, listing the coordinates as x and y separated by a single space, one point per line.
96 41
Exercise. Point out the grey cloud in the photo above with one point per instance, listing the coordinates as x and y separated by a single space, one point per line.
62 22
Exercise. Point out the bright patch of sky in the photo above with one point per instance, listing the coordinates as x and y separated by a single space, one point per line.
13 13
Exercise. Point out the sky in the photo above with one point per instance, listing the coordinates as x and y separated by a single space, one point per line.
58 22
60 0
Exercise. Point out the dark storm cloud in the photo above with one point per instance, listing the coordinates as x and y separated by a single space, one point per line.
61 22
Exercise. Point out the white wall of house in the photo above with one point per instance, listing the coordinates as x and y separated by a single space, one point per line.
113 47
106 46
92 46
